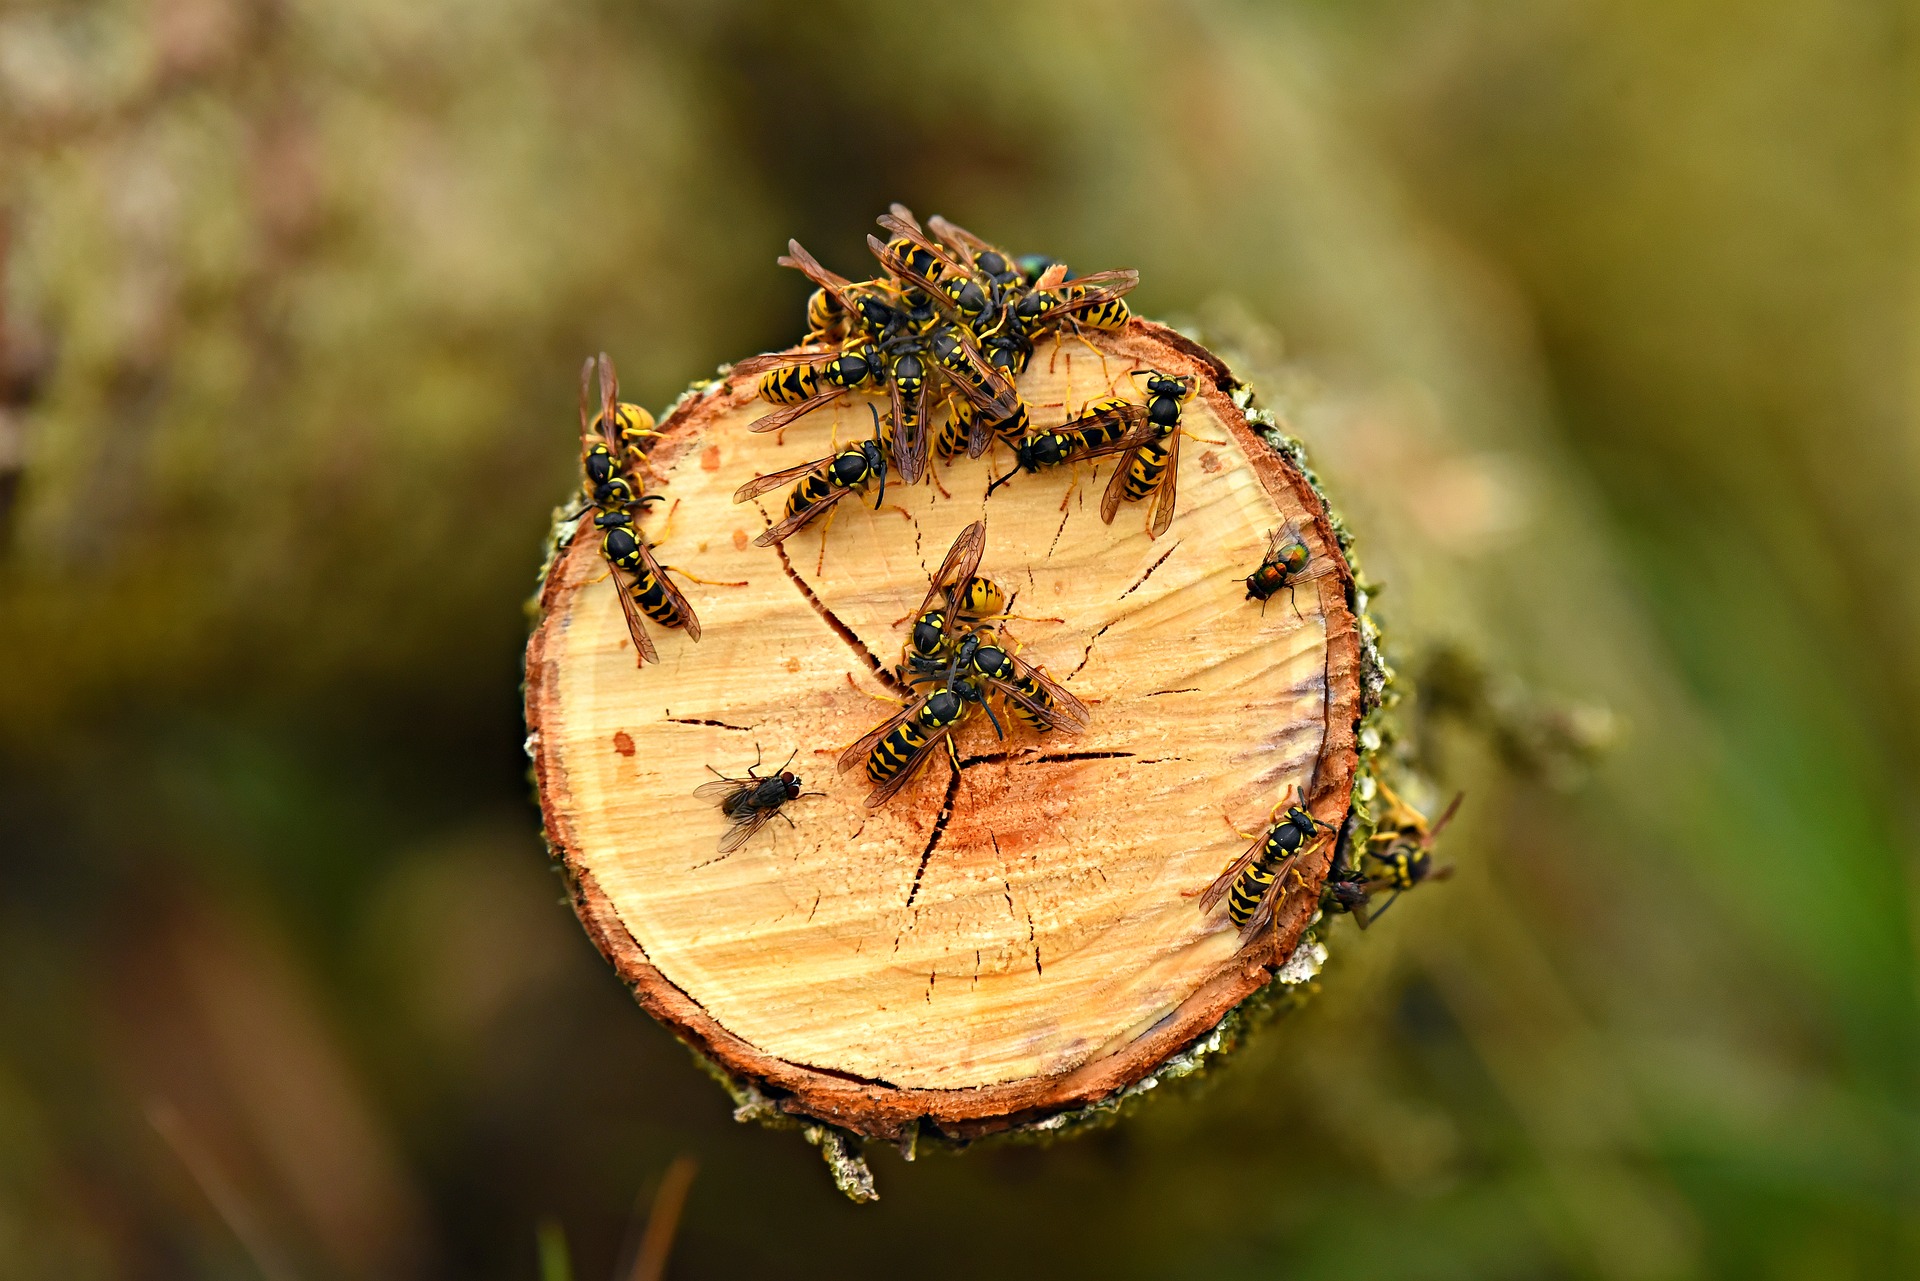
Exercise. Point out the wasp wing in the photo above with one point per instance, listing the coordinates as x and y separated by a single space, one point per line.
962 559
754 366
790 525
1167 492
787 415
1068 713
861 750
807 265
643 649
964 243
995 391
1116 491
1086 292
773 480
910 443
675 597
1224 882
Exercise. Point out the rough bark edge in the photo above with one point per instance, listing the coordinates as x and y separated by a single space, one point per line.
843 1109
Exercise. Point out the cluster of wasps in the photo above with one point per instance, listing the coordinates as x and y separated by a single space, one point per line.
940 336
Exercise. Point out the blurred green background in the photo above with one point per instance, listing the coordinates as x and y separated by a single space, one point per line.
1596 318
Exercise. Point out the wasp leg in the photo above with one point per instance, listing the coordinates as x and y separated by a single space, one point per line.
711 582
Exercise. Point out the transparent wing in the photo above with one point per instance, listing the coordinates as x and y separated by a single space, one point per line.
787 415
899 214
1089 291
962 242
643 649
790 525
718 789
1167 492
910 443
891 788
587 434
1224 882
807 265
997 395
742 829
962 559
979 434
1116 491
754 366
673 594
859 752
1068 712
773 480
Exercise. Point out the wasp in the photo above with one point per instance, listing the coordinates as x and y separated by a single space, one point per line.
822 484
749 803
896 748
1286 565
1094 301
1399 856
1255 885
1104 427
1029 693
949 594
1149 465
793 377
642 584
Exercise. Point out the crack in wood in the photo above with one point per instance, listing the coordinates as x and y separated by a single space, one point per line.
1149 574
840 629
1162 693
1028 755
1089 651
702 720
939 830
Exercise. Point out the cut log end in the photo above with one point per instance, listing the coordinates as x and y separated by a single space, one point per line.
1001 943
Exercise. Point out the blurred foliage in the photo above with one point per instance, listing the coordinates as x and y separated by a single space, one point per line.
1597 319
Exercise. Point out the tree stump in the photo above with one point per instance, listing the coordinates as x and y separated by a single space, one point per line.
998 945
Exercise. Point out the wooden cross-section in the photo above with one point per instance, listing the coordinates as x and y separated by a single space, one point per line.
995 945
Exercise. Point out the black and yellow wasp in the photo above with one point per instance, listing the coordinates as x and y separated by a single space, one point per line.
887 334
821 485
947 641
608 446
896 748
1146 437
750 803
1255 884
1287 564
1398 856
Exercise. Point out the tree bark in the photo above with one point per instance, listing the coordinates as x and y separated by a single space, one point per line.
999 945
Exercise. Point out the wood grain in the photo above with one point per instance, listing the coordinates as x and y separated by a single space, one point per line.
979 953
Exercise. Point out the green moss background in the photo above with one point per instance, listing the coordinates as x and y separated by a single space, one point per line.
1598 323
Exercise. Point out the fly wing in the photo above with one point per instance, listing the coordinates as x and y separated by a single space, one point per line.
1167 492
1224 882
718 789
864 748
773 480
787 415
891 788
742 830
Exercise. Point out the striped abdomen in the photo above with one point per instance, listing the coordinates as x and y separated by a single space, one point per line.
826 318
951 440
980 598
891 754
811 489
1032 689
1102 424
1149 465
653 600
1111 314
1252 885
790 385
